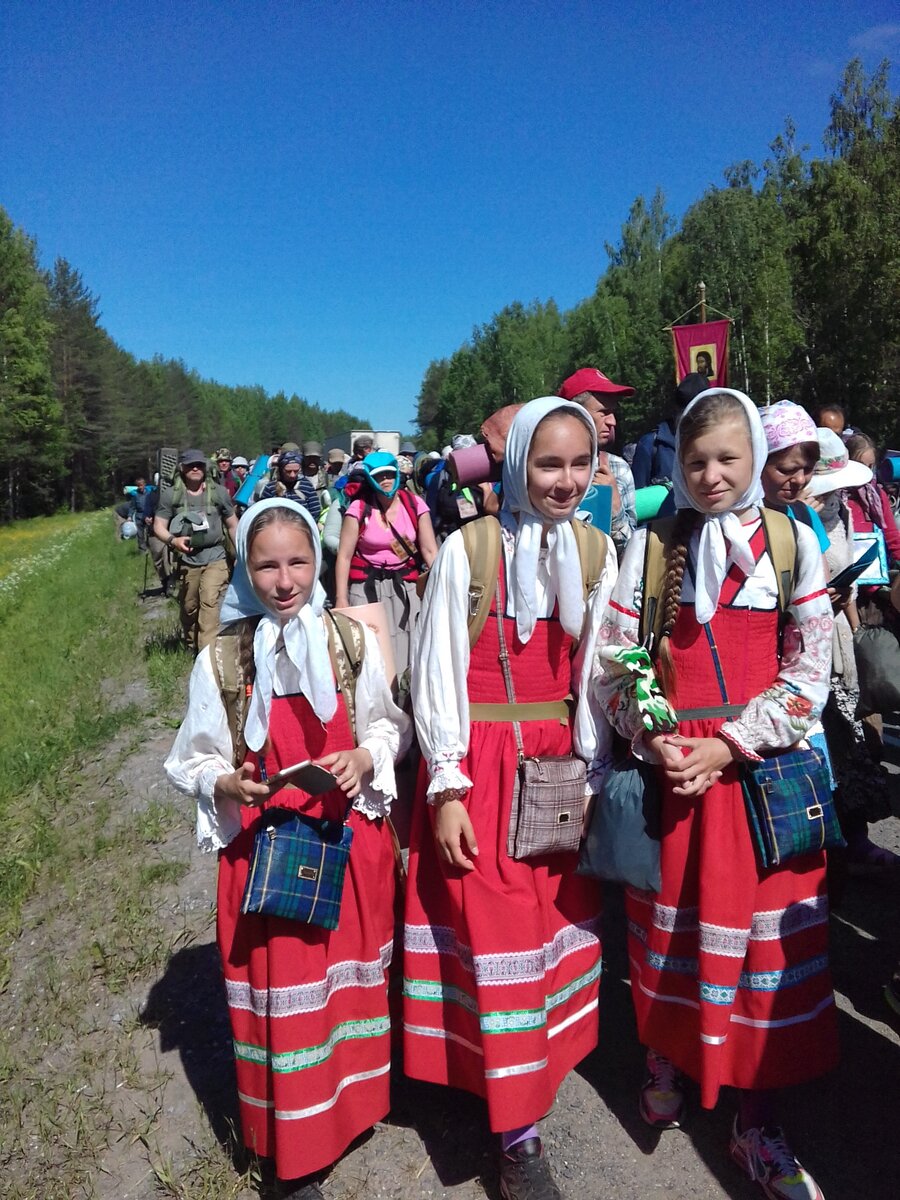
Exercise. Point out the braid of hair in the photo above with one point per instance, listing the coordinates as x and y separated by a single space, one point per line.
676 562
246 665
246 674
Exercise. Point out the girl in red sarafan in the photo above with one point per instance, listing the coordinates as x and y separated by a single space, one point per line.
729 963
308 1006
502 955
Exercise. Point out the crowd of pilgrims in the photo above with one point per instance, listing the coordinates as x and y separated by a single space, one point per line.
500 957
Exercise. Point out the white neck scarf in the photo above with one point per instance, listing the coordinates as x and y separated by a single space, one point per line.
723 538
305 636
562 550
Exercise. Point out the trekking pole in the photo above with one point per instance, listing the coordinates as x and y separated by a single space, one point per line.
146 565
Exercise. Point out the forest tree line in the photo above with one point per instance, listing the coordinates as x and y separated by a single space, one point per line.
80 416
803 253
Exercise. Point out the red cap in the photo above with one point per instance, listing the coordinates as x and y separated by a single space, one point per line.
589 379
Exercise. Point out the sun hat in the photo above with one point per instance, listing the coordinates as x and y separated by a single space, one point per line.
312 449
240 461
378 465
192 458
589 379
336 456
835 468
223 454
787 424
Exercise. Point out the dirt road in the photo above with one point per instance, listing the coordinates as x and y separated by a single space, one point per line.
148 1105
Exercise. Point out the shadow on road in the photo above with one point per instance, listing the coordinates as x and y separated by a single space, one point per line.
187 1007
840 1125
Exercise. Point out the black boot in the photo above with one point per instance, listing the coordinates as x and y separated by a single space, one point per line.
300 1189
525 1173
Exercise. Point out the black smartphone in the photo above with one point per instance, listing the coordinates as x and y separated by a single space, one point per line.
305 775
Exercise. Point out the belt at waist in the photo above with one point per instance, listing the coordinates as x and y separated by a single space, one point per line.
718 710
545 710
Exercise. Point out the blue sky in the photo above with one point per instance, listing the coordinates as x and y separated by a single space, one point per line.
322 197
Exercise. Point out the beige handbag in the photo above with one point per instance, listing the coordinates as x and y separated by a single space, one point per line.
548 799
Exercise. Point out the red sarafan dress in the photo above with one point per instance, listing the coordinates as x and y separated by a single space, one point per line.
729 962
309 1006
502 964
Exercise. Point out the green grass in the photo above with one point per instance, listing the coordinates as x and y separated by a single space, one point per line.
27 540
103 867
68 630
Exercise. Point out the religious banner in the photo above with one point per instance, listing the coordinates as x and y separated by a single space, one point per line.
702 349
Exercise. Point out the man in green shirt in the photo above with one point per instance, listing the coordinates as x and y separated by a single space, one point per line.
191 519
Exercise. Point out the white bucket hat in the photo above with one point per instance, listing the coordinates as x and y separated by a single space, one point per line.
835 469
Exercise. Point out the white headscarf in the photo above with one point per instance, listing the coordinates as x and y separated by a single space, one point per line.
563 561
713 555
305 638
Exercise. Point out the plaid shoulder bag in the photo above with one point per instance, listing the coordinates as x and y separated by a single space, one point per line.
298 863
790 806
297 869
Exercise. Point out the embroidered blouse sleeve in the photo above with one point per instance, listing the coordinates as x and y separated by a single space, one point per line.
782 714
592 732
440 662
382 728
621 667
202 751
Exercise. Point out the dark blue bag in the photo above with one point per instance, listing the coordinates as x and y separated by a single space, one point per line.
789 800
297 869
790 806
622 842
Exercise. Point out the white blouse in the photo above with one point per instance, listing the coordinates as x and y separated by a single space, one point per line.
203 748
440 664
784 712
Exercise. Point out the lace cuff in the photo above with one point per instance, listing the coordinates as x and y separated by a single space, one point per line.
731 732
383 779
446 776
217 824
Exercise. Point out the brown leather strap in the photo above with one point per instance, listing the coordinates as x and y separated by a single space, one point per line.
546 710
398 855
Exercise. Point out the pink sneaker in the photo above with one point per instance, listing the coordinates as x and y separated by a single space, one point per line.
661 1098
768 1160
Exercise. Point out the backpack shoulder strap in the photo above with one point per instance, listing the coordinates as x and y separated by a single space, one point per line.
592 549
233 685
408 500
781 542
347 650
481 539
363 518
659 538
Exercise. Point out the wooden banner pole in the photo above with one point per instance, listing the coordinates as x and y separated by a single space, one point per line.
702 290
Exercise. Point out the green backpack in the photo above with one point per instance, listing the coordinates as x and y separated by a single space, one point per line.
781 543
482 542
346 647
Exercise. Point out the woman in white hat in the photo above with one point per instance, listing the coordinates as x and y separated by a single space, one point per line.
861 788
793 453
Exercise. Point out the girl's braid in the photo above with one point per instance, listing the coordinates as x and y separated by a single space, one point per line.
676 562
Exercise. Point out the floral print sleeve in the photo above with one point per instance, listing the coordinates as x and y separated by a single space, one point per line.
623 678
783 714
